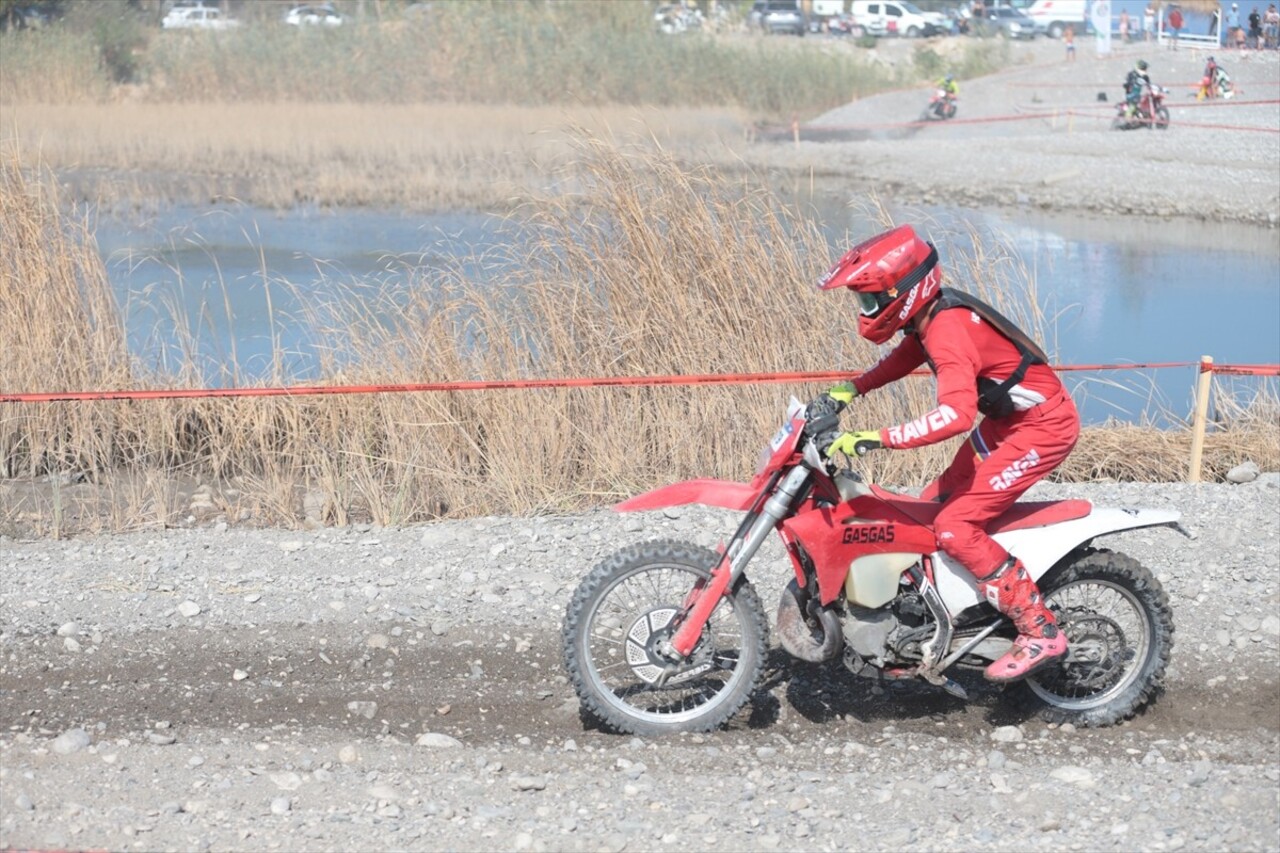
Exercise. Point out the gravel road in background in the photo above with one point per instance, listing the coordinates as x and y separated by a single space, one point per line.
379 689
1036 137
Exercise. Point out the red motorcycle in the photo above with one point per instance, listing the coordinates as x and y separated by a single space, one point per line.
1150 111
668 636
941 106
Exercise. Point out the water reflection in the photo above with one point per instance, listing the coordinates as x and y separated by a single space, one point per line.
235 290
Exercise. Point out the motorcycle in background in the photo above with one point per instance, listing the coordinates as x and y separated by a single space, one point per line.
1150 111
942 106
667 636
1219 87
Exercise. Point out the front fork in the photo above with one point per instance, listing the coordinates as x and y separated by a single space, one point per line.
734 562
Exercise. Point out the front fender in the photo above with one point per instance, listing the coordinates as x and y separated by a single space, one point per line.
718 493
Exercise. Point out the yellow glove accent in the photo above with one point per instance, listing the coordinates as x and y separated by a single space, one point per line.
856 443
844 392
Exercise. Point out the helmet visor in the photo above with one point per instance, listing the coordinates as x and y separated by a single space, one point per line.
871 304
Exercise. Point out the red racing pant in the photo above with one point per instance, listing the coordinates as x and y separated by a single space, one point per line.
999 461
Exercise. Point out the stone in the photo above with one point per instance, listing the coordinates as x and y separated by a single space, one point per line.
1245 472
189 609
1073 775
72 740
363 709
1007 734
436 740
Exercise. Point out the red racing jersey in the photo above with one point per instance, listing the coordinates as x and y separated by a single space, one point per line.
961 347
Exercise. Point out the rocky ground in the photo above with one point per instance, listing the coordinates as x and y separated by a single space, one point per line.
1036 137
374 689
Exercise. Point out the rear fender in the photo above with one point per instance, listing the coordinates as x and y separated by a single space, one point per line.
718 493
1040 548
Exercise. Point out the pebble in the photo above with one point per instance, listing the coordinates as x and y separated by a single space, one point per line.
436 740
72 740
281 805
189 609
1007 734
1074 775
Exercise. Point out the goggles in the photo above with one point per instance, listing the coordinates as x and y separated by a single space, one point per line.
872 304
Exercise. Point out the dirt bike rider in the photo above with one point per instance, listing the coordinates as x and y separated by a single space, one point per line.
1214 81
982 363
949 87
1136 80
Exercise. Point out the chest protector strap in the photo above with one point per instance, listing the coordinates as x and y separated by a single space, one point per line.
993 395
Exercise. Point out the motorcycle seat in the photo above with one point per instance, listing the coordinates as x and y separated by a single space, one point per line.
1020 516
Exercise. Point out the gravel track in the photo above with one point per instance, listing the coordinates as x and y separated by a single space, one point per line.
376 689
1216 163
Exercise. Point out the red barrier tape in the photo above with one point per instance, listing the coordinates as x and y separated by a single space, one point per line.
597 382
1039 114
1242 369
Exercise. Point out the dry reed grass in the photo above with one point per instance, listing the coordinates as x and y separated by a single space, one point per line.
648 268
409 156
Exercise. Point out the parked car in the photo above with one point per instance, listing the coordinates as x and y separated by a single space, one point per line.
895 17
780 16
1011 23
196 18
323 16
1052 17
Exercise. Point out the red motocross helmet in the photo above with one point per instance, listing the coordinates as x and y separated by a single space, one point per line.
894 274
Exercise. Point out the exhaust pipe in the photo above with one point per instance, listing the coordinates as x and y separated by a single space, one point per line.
811 644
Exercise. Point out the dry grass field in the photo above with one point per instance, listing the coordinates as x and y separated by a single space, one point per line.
416 157
649 268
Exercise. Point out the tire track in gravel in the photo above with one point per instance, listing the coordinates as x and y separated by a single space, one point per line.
305 678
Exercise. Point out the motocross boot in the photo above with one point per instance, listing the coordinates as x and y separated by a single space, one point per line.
1039 643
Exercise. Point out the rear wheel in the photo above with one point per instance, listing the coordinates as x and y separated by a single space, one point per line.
617 625
1120 629
1162 118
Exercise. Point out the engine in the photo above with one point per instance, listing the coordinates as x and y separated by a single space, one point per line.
886 636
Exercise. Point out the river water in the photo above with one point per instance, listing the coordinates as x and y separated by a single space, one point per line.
1120 291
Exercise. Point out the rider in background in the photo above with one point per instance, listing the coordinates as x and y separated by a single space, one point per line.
949 85
982 363
1134 83
1216 81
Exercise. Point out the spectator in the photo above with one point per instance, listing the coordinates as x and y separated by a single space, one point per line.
1233 24
1149 23
1069 39
1124 26
1174 21
1271 27
1255 28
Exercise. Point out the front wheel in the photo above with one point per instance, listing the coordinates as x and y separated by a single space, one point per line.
1120 629
617 625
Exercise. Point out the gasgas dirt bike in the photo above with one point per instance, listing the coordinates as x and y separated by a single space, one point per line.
1150 111
941 106
667 636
